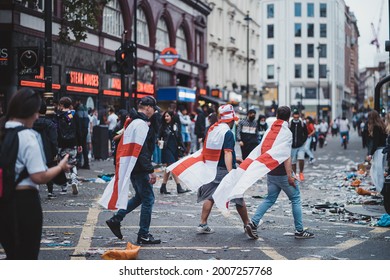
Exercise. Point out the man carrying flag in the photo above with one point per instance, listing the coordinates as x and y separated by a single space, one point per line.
213 162
272 156
133 163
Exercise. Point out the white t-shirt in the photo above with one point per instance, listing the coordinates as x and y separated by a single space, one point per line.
112 120
30 154
343 124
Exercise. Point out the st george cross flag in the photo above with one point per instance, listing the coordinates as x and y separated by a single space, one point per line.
274 149
115 195
201 167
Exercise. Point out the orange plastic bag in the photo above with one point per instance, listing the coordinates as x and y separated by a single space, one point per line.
362 191
130 253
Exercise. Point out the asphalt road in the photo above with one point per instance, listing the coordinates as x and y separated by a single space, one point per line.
74 226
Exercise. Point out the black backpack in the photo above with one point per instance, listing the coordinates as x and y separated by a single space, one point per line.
66 127
8 153
47 129
386 194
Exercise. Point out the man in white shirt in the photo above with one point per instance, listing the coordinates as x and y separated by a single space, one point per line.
111 122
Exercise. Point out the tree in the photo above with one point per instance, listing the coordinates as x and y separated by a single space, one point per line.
78 17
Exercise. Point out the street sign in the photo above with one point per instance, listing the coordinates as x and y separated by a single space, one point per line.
169 56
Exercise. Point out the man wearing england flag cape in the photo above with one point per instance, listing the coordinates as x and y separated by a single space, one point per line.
133 164
272 157
204 170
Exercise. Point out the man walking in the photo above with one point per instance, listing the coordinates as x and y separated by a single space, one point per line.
278 179
134 160
299 136
248 134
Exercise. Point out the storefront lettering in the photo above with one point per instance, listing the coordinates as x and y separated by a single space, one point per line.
116 83
145 88
85 79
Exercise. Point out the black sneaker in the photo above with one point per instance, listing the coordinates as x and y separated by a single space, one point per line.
251 231
147 239
115 227
303 234
51 195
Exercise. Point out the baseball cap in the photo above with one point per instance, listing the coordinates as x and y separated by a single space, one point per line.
149 101
227 114
295 112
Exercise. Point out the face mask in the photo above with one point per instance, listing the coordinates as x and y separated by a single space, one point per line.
251 118
262 123
296 121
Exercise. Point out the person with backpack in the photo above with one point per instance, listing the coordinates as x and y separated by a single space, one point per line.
299 131
22 162
48 131
68 140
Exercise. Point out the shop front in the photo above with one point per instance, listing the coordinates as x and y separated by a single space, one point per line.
180 95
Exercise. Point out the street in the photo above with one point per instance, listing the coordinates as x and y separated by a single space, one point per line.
74 226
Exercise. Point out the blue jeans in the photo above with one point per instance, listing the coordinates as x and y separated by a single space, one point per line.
344 133
143 195
307 147
275 185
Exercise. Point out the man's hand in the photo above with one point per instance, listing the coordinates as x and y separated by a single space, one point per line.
152 178
291 181
241 143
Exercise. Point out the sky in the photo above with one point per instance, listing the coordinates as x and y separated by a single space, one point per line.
367 11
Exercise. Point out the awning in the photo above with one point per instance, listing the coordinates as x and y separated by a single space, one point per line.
182 94
212 99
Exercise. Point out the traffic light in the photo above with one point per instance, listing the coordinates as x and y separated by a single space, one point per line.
125 58
112 67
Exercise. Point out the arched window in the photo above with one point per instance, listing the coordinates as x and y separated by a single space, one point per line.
181 43
112 19
142 28
162 36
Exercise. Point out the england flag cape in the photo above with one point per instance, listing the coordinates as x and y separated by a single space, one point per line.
274 149
201 167
115 195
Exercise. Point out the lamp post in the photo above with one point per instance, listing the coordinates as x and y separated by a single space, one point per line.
277 85
318 85
247 18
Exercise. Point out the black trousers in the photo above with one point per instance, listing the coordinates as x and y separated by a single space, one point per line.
21 225
247 149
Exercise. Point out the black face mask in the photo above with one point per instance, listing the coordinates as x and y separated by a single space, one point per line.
251 118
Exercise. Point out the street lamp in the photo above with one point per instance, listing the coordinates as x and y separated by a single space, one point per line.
318 85
277 84
247 18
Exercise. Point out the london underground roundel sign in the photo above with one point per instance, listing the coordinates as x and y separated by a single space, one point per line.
169 56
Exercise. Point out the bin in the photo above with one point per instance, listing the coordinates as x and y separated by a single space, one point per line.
100 141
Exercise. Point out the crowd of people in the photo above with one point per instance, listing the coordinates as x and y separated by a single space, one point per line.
50 149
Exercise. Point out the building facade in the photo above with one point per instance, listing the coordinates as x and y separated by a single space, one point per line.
79 70
233 52
303 55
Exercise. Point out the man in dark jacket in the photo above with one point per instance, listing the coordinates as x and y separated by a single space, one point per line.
200 126
299 131
83 127
247 134
142 179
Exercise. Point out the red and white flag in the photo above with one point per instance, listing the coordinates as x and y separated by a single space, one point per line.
201 167
274 149
116 194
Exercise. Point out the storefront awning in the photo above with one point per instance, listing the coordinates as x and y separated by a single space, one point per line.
182 94
212 99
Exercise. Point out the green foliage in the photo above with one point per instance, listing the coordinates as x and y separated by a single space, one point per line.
79 16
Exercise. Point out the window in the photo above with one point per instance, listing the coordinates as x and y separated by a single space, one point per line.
310 30
323 71
270 51
310 70
162 36
322 9
142 28
323 50
198 49
298 70
310 9
270 72
181 43
270 31
298 29
298 50
298 9
270 10
310 50
112 19
323 30
310 93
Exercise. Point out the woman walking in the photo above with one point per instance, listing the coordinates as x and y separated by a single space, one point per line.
21 215
170 136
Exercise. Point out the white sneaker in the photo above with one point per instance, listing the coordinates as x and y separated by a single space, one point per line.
75 190
204 229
